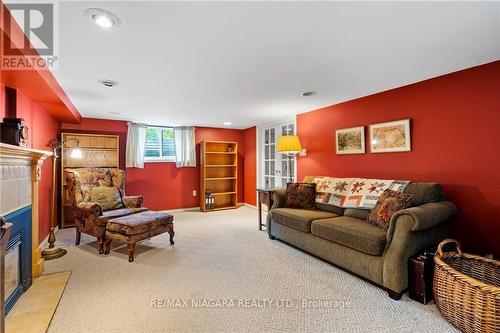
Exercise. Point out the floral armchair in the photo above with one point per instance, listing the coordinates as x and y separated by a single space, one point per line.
91 217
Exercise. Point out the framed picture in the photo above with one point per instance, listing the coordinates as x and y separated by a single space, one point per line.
350 140
389 137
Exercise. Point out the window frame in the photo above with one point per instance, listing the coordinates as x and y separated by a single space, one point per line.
159 159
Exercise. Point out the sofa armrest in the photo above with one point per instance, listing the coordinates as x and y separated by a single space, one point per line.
428 215
133 201
279 198
410 231
87 210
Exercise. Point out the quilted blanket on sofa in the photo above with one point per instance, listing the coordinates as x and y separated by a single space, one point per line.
354 192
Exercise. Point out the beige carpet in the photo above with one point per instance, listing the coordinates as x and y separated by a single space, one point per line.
222 257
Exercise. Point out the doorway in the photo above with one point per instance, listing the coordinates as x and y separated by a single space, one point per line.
273 166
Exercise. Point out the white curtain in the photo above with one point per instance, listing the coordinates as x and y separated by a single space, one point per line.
185 151
136 145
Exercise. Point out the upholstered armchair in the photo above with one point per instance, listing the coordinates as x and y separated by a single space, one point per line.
98 195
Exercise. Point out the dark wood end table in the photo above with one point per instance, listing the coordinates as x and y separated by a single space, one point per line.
264 196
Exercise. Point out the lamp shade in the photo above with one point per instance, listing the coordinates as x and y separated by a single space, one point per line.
289 144
76 153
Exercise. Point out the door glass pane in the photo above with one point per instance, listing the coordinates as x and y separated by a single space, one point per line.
274 164
292 168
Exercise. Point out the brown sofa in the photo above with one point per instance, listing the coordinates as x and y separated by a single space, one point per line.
343 238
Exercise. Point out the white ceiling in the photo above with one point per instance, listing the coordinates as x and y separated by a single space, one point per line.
203 63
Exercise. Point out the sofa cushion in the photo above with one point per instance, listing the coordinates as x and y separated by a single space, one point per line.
424 193
108 197
300 195
388 204
299 219
351 232
358 213
330 208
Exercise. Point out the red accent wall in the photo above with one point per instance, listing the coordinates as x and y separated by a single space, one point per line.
163 185
454 123
249 151
2 102
39 84
43 126
42 102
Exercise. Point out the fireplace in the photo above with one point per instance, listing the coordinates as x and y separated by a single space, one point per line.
12 269
18 261
20 171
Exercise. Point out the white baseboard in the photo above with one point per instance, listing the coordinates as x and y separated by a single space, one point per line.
249 205
179 210
43 245
191 209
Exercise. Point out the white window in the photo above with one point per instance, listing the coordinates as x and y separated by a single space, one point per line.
160 145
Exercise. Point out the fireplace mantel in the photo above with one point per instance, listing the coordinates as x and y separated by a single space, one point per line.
20 171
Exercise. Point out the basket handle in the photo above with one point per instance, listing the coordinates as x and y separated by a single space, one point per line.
439 251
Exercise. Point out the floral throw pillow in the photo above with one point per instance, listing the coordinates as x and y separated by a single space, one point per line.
108 197
388 204
301 195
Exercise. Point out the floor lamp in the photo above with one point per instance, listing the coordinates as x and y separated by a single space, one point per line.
289 145
53 252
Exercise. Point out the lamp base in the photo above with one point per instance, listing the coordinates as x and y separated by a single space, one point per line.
290 176
53 253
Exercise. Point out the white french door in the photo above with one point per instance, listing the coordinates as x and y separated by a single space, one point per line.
274 166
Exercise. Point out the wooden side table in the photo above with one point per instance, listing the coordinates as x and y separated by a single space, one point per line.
264 196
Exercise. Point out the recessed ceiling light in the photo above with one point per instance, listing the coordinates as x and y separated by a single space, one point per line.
108 83
309 93
103 18
227 123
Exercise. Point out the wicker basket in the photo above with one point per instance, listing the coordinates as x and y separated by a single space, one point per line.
467 289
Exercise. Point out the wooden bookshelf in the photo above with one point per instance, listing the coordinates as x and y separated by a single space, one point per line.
219 174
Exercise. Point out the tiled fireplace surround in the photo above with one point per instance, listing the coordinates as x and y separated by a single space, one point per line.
20 171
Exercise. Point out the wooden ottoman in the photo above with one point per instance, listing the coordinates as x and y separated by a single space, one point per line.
136 227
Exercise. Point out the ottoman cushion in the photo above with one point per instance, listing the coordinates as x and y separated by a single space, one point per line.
139 223
112 214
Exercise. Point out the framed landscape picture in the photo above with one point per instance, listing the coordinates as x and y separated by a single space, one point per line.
350 140
388 137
